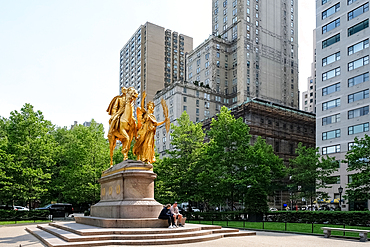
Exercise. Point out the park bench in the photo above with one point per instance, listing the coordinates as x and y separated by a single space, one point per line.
362 233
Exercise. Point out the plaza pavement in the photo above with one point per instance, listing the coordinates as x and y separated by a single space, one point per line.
15 236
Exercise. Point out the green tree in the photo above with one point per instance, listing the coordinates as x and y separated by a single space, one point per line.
32 149
6 166
232 168
176 174
222 176
265 173
84 154
309 171
358 159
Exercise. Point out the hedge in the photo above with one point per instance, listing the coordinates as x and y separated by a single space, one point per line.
322 217
360 218
6 215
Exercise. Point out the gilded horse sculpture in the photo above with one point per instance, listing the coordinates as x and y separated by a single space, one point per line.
123 127
122 124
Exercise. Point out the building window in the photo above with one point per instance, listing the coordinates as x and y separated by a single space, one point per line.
360 10
185 99
350 176
331 149
358 63
184 108
330 11
330 104
358 112
358 79
358 128
358 47
332 40
358 96
358 27
323 2
350 1
331 119
331 59
197 111
330 26
330 74
331 89
331 134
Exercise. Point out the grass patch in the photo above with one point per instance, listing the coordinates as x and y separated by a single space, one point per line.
22 222
280 226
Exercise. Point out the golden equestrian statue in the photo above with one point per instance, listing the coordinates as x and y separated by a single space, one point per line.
122 124
147 125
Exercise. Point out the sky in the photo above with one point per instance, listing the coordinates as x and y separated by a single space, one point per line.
62 57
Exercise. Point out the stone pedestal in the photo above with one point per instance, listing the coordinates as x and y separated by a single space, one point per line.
127 192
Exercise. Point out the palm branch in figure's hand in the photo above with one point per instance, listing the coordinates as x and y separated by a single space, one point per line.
165 113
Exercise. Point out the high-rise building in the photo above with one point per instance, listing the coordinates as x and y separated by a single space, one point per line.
342 90
308 99
258 56
152 59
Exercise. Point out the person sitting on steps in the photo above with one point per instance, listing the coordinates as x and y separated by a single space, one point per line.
176 215
166 215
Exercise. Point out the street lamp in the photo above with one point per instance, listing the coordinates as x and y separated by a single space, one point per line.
340 190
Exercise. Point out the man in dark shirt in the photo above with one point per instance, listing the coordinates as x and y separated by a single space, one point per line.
166 215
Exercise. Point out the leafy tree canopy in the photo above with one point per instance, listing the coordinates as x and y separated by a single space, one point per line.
310 172
358 159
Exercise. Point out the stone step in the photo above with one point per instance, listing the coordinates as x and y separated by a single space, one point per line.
72 237
85 230
225 230
52 241
239 234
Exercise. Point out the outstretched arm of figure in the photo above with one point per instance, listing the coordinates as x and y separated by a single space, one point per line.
160 123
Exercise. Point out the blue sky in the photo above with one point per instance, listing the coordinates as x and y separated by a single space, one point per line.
63 56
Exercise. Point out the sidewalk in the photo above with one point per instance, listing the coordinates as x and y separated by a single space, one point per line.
14 236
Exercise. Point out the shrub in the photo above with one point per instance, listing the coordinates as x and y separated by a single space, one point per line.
23 215
359 218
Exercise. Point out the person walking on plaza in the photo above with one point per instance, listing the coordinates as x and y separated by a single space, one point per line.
166 215
176 215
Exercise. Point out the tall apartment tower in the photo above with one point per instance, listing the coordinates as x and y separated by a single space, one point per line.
152 59
308 99
259 55
342 90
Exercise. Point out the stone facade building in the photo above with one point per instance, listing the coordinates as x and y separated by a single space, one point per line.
199 102
254 55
